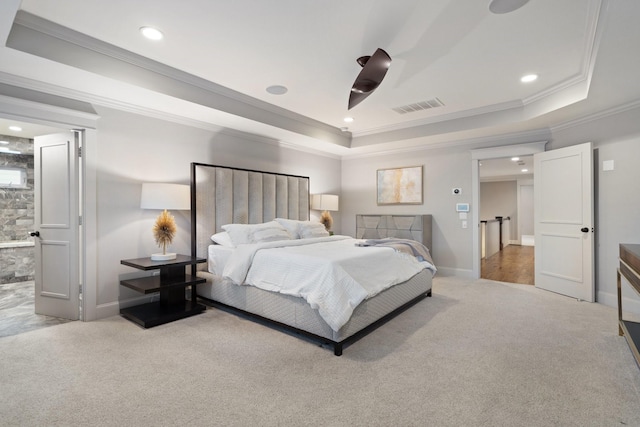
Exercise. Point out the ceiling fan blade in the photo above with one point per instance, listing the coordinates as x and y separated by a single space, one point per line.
373 71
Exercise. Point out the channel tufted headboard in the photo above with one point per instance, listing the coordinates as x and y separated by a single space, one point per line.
222 195
415 227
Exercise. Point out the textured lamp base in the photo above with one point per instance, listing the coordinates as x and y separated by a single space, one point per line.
163 257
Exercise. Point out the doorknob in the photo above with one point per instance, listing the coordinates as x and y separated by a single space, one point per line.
585 229
34 234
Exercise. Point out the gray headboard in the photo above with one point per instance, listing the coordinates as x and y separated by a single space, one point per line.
222 195
415 227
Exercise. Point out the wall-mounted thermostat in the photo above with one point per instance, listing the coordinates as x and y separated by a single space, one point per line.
462 207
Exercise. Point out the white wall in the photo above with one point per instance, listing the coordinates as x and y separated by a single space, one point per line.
615 137
133 149
443 170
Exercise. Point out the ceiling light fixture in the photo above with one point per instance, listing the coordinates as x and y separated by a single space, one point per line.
529 78
15 128
525 170
4 142
277 90
506 6
348 119
151 33
515 159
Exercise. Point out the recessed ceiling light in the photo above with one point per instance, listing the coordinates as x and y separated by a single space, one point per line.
515 159
277 90
348 119
506 6
151 33
15 128
525 170
529 78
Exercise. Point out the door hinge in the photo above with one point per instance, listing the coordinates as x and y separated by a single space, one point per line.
80 220
79 151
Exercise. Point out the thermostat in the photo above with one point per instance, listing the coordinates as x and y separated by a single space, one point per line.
462 207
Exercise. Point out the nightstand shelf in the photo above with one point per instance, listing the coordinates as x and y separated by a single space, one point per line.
149 285
170 283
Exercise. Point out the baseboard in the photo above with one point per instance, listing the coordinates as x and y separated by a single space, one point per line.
611 300
527 240
456 272
106 310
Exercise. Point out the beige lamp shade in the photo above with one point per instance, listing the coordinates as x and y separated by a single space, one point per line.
165 196
325 202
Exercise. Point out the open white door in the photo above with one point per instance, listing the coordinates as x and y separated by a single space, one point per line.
563 215
56 225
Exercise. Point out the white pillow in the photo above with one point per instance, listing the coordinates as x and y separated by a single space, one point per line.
308 229
222 238
291 225
242 234
270 234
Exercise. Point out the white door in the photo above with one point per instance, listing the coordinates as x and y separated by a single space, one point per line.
563 214
56 227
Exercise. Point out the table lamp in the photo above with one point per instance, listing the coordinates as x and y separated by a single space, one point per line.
325 203
165 197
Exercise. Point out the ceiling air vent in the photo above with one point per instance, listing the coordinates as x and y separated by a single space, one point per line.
419 106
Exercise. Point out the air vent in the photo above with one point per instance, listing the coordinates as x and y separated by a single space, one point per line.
419 106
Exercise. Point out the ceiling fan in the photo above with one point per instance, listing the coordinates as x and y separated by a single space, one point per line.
374 68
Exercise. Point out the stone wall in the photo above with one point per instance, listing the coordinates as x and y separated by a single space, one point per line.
17 215
17 261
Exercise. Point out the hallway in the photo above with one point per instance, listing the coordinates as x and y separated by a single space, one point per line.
513 264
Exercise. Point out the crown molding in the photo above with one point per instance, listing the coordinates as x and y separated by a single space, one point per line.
596 116
46 39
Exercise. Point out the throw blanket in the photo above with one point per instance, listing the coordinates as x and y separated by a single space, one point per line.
331 273
411 247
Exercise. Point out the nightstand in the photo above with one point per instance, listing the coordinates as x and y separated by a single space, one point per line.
171 283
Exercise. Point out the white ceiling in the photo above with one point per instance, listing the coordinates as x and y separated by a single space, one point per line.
584 51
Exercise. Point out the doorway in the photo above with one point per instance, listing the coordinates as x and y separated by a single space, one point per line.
482 158
17 209
506 212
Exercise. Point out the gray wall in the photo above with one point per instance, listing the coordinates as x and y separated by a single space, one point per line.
615 137
134 149
444 169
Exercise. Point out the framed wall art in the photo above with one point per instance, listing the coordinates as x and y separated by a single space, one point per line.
400 186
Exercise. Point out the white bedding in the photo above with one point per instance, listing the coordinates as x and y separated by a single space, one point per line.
331 273
218 257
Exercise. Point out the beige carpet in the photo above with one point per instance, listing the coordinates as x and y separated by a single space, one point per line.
478 353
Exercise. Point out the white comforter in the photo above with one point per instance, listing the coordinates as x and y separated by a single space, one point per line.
331 273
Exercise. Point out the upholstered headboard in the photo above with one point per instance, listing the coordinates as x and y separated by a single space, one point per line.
222 195
415 227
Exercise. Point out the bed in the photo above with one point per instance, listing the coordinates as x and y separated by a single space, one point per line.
223 195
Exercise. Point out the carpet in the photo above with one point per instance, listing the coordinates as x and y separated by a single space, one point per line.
477 353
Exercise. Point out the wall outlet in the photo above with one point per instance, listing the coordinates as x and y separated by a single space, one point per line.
456 191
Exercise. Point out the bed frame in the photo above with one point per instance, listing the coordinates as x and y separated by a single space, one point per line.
223 195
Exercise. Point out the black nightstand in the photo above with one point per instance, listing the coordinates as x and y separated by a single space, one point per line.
171 284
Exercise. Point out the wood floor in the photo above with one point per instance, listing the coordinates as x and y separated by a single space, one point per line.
513 264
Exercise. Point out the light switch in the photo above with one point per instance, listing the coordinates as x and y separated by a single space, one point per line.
464 224
607 165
